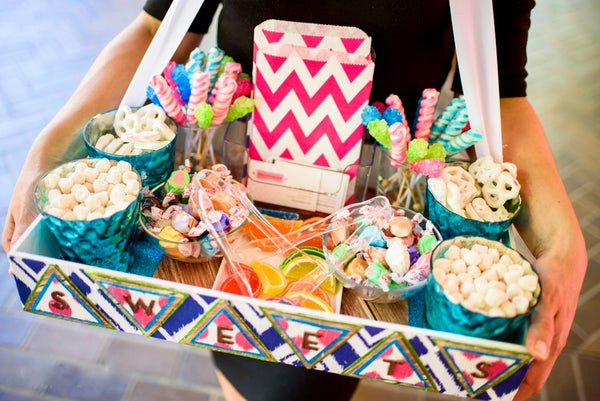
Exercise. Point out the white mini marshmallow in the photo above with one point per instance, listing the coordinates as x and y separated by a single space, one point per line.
475 301
69 216
505 260
117 194
509 309
521 304
95 215
459 266
494 297
440 275
513 290
471 257
81 166
443 264
56 212
65 184
455 297
481 284
453 252
103 165
93 202
78 177
495 312
53 193
100 185
480 248
114 176
467 288
81 212
91 174
51 181
473 271
528 282
129 176
121 206
110 210
498 284
81 193
132 187
123 166
486 261
102 176
512 276
130 198
490 275
450 285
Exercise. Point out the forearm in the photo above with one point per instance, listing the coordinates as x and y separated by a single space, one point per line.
547 221
101 89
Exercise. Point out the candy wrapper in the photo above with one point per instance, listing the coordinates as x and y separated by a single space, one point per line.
380 253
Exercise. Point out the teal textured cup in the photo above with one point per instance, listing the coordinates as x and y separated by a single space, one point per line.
102 242
154 167
444 315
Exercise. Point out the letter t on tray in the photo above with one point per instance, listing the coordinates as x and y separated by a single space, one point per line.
311 83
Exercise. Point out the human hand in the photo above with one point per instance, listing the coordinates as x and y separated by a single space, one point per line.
21 210
561 283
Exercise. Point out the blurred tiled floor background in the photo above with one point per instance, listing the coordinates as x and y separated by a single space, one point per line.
46 47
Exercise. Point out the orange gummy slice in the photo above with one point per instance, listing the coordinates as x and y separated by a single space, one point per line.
231 284
271 278
284 226
298 288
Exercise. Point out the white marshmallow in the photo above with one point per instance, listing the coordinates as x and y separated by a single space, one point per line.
521 304
91 174
494 297
65 184
103 165
78 177
81 193
100 185
81 212
132 187
473 271
94 215
459 266
129 176
51 181
443 264
53 193
509 309
123 166
453 252
528 282
80 167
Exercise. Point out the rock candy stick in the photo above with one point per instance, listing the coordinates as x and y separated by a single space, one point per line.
424 115
166 98
196 61
462 141
398 133
167 72
199 81
455 126
226 87
447 115
213 62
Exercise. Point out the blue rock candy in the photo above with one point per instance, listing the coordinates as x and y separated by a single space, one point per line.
182 80
392 116
369 114
152 95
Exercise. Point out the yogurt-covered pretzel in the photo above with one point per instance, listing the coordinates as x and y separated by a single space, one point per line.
501 189
484 169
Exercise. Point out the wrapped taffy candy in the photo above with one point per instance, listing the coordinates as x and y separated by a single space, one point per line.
380 253
270 266
171 218
482 288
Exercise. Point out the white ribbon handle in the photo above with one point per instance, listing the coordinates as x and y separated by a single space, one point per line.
171 31
473 26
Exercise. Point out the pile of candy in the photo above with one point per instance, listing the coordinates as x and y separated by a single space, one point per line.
387 254
137 132
175 220
91 189
206 91
482 280
486 191
389 126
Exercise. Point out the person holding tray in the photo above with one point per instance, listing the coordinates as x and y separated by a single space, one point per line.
413 49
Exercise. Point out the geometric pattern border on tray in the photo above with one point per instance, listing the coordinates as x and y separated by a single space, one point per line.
393 353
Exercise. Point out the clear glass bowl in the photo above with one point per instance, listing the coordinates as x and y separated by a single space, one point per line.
192 251
372 293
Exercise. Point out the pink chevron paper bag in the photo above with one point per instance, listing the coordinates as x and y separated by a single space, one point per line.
309 94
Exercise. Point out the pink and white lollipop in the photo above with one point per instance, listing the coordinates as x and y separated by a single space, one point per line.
166 98
225 87
200 82
398 134
425 113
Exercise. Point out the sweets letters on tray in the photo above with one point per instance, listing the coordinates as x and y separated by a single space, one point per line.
311 84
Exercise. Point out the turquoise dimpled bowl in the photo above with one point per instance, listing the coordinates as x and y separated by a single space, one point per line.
452 225
102 242
154 167
443 315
